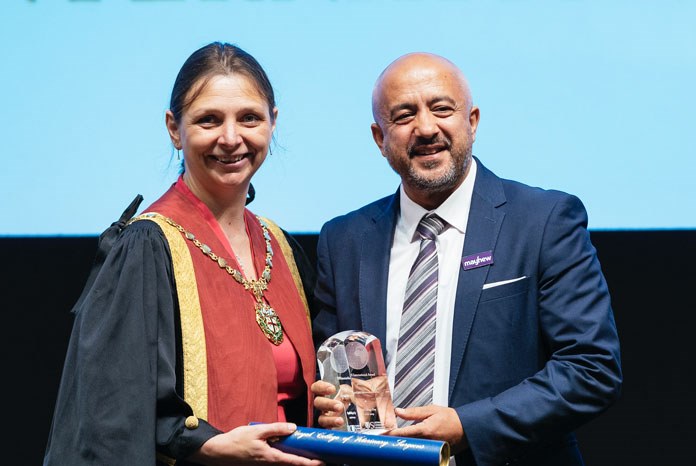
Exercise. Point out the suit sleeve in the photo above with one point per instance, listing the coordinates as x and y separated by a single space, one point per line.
325 324
118 401
581 376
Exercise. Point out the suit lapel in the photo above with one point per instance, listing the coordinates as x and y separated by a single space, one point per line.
374 269
482 232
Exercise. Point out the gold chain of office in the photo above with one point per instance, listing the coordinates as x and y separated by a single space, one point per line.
266 316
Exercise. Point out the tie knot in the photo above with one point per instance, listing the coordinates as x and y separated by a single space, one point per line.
430 226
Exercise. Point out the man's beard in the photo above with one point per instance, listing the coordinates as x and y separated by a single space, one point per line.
459 161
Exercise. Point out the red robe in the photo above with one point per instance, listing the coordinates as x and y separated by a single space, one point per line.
242 380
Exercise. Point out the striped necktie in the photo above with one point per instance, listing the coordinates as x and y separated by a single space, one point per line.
415 357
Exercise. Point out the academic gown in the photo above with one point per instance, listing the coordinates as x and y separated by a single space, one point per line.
120 400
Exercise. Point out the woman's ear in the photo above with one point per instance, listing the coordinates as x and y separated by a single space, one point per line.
275 117
173 129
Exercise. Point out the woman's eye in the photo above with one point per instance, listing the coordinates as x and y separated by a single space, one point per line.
251 118
206 120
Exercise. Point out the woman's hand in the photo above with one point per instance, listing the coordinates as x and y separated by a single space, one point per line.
247 445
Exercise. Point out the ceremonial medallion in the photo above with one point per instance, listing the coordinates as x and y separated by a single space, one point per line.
269 322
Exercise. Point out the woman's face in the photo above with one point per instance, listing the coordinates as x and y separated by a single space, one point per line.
224 134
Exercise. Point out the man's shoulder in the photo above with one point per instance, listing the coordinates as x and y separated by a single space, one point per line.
500 189
525 204
517 193
535 206
521 192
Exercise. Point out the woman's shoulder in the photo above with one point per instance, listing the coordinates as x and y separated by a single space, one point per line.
135 238
141 230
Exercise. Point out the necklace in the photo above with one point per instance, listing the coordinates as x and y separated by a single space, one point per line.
266 316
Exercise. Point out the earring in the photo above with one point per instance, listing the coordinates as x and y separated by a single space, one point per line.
178 154
270 150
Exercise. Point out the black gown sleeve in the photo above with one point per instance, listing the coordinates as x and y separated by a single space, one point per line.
119 399
307 271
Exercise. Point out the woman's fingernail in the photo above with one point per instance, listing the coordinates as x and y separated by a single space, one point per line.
292 426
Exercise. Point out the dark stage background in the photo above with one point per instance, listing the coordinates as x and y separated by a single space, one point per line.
651 275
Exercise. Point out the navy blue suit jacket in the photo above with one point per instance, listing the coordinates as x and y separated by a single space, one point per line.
531 360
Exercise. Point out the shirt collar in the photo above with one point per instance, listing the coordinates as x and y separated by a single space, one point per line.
454 211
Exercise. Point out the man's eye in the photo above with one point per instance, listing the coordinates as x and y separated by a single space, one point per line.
442 110
403 117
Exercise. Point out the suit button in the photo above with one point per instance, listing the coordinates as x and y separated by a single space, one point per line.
191 422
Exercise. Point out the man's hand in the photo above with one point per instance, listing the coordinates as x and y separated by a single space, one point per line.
330 410
433 422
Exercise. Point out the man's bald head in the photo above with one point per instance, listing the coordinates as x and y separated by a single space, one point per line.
412 65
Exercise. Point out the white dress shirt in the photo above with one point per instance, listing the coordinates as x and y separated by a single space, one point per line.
450 243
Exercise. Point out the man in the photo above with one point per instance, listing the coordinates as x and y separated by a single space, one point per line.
525 345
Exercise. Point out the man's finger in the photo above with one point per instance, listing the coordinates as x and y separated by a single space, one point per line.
321 388
417 413
329 421
327 404
414 430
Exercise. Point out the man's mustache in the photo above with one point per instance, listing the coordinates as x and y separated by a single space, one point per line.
420 144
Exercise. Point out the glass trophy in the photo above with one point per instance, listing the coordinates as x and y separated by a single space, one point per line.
352 361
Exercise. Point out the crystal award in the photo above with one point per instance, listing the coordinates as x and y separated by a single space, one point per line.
352 361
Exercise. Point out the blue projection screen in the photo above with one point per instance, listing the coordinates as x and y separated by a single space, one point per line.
591 97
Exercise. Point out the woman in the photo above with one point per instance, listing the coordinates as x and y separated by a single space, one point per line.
196 324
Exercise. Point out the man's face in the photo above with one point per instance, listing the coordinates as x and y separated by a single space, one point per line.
425 126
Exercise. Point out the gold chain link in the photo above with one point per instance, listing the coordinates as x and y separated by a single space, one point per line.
257 287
